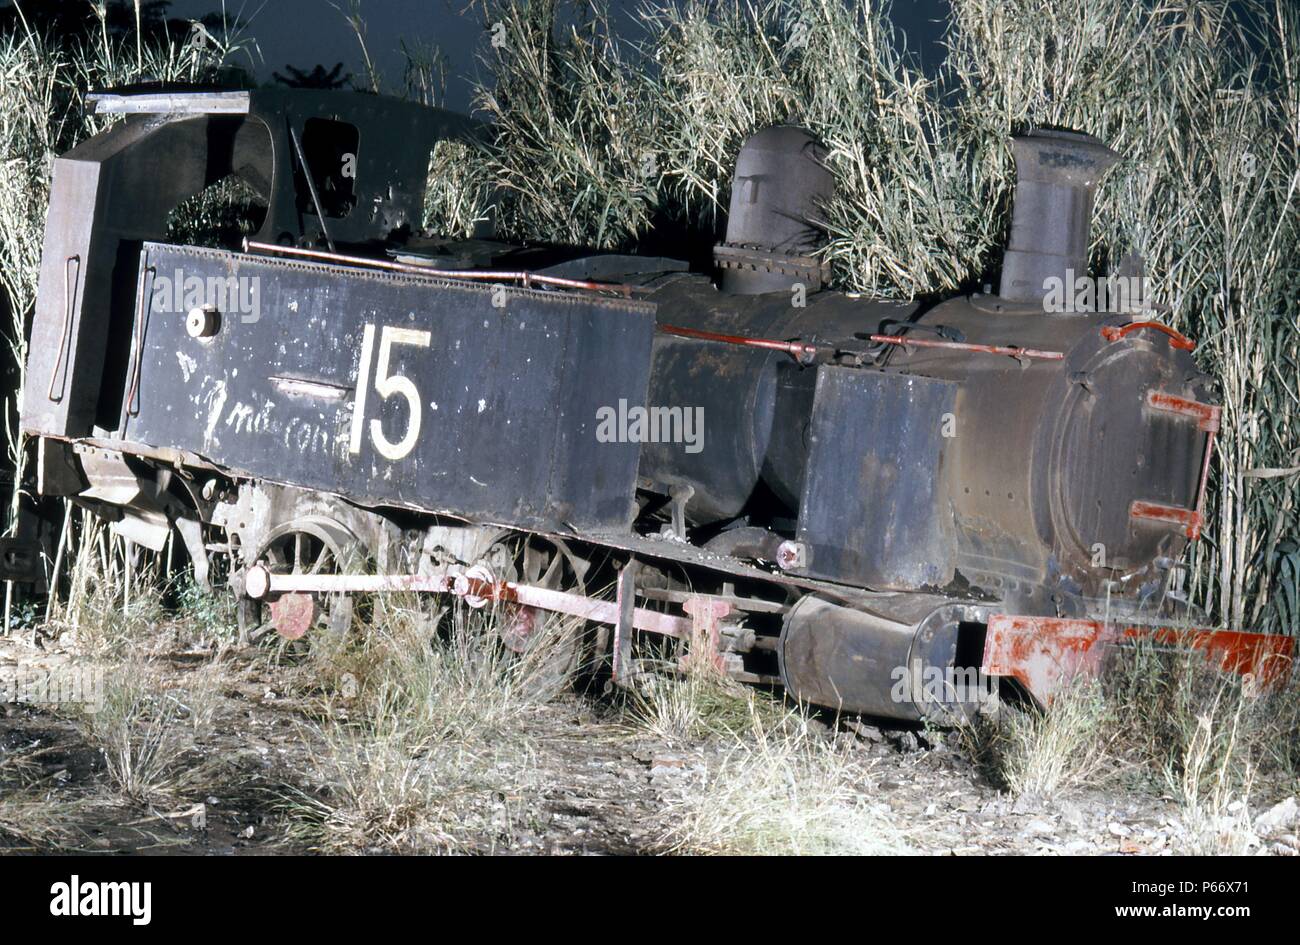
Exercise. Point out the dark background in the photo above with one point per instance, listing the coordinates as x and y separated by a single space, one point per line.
306 32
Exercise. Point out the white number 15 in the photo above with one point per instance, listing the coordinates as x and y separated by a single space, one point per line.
386 385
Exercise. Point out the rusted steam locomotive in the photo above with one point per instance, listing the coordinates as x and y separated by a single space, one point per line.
797 485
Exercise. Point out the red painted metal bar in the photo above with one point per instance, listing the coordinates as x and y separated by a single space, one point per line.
1189 519
803 353
575 605
1044 653
706 642
1205 415
260 582
1176 338
470 275
1008 350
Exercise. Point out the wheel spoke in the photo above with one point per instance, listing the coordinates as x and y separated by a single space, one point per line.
325 556
553 572
533 560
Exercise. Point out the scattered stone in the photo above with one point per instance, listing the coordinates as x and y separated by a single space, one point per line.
869 733
1278 817
1038 827
904 741
1118 830
1071 815
676 768
1026 804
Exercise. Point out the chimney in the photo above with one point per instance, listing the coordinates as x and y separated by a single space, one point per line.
780 184
1056 179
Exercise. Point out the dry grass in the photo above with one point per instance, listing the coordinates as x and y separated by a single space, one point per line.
789 791
377 786
1041 754
1165 724
149 724
460 191
433 737
123 618
29 818
123 604
688 708
1212 782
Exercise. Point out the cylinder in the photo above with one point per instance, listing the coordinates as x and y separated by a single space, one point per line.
915 658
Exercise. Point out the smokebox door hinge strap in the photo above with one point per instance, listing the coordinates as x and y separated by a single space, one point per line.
1207 417
1189 519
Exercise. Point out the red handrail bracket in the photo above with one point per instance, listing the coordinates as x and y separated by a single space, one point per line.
1176 338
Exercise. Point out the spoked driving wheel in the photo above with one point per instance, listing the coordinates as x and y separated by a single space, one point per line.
310 547
547 646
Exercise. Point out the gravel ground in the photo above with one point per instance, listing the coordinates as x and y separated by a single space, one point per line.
589 783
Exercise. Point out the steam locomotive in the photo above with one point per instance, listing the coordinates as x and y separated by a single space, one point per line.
788 484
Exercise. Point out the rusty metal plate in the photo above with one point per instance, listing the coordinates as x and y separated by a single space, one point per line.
1044 653
392 389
